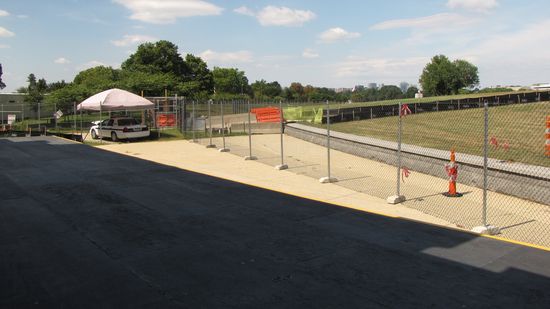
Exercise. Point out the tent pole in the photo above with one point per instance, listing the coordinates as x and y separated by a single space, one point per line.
100 125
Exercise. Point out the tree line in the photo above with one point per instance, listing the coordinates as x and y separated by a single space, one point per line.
156 69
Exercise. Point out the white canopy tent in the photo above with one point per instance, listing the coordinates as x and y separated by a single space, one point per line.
115 100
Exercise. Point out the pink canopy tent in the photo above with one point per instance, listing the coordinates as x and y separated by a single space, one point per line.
115 100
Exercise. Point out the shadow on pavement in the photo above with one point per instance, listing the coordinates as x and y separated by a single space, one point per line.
82 227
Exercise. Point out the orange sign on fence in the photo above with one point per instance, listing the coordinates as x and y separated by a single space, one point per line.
267 114
166 120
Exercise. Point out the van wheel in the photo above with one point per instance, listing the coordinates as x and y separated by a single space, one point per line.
94 134
114 138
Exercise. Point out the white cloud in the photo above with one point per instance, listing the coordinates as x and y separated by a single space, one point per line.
511 58
516 47
167 11
22 16
227 57
336 34
382 69
310 53
5 33
283 16
442 20
62 60
130 39
91 64
243 10
4 46
4 13
278 16
473 5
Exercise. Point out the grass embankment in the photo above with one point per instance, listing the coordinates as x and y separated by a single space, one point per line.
336 105
521 127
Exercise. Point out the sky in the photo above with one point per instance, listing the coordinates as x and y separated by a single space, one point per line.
322 43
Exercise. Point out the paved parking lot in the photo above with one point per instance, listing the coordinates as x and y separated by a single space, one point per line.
87 228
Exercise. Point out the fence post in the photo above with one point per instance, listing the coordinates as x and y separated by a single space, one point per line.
23 118
328 179
183 117
157 113
74 120
210 145
223 149
39 127
485 228
398 198
2 114
55 117
250 156
193 122
81 135
281 166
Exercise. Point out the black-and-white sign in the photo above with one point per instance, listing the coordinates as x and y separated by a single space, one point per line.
58 114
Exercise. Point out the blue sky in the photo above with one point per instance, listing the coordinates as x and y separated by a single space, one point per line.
322 43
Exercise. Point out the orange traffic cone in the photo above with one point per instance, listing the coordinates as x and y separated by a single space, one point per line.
452 171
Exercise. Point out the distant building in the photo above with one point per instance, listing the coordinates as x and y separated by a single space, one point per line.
14 104
339 90
540 87
358 88
372 86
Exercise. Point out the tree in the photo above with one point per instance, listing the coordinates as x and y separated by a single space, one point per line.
443 77
389 92
411 92
65 97
35 91
322 94
466 75
159 57
437 76
296 91
152 84
229 81
200 82
98 78
274 89
365 95
2 85
259 89
57 85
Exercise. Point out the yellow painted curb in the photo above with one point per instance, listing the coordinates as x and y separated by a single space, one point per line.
517 242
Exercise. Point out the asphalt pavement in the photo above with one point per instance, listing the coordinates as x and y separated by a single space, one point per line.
81 227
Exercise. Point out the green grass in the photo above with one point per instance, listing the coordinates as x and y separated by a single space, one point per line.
521 126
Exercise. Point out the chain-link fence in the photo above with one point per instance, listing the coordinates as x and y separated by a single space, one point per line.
501 170
498 182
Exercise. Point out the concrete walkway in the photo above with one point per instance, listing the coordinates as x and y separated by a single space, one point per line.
231 166
363 184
